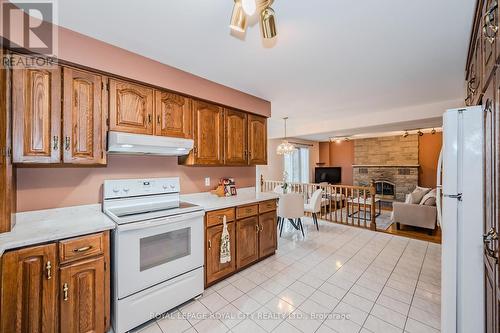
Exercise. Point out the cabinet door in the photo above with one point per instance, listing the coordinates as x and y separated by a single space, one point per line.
257 139
84 117
209 134
130 107
7 181
474 75
235 144
268 234
174 115
36 108
29 292
247 240
214 270
82 296
488 26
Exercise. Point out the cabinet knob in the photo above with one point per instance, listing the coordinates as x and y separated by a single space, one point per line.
257 228
209 244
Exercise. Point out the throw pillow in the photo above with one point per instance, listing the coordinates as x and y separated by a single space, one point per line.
418 193
429 199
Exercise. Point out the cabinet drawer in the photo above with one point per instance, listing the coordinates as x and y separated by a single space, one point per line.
215 217
246 211
267 206
81 247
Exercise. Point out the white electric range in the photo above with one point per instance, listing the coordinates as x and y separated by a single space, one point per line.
157 249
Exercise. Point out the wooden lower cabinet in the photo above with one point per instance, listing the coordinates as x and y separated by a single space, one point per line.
38 294
29 290
82 301
247 241
214 270
268 234
252 238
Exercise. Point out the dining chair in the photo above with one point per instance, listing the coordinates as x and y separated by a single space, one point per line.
291 208
314 206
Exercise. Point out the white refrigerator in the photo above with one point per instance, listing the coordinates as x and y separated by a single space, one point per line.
460 204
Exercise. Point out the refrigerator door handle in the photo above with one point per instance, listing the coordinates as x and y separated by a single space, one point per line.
454 196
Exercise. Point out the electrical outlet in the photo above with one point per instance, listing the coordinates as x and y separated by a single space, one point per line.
207 181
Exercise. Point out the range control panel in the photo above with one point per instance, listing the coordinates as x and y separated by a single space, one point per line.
123 188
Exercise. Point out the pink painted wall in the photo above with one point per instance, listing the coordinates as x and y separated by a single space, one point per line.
43 188
83 50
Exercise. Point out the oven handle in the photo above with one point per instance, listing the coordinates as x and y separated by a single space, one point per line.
160 221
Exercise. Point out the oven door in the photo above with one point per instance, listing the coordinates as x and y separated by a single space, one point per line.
150 252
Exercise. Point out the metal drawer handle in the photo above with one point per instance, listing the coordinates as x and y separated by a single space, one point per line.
257 228
56 142
65 291
261 228
82 249
209 244
66 143
48 267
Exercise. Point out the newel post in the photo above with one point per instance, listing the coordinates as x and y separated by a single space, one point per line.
373 223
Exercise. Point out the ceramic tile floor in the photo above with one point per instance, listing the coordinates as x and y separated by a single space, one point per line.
340 279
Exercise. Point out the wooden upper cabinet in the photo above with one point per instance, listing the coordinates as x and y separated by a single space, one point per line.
130 107
214 270
82 296
36 108
209 134
7 181
28 301
268 234
247 241
84 117
257 140
174 115
235 131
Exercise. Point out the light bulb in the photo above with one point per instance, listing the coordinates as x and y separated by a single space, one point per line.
249 6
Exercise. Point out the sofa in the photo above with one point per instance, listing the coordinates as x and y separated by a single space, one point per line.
421 212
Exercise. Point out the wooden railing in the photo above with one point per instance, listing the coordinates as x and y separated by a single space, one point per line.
350 205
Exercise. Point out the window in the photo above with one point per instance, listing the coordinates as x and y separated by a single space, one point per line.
297 165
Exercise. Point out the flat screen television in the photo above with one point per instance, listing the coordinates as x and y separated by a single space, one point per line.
331 175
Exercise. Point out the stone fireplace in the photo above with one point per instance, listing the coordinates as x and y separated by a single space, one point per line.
392 162
393 182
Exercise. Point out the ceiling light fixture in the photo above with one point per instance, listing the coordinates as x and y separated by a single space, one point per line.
420 133
238 18
433 131
405 135
285 147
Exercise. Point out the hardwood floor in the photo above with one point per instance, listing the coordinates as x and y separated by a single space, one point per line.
416 233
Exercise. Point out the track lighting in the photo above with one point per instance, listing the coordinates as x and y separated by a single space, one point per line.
242 9
420 133
406 134
238 18
268 23
433 131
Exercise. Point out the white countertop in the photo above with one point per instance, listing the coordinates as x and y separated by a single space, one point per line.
211 201
52 224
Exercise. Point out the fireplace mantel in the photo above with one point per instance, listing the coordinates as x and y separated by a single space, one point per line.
385 166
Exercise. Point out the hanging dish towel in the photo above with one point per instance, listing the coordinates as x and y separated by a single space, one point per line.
225 244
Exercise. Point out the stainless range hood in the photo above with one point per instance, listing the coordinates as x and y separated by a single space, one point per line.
139 144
